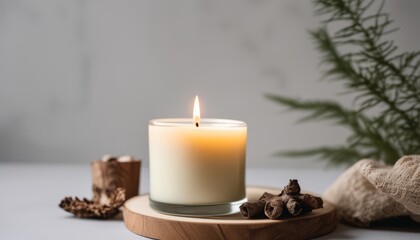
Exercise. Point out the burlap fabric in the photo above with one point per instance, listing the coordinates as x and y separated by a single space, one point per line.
370 191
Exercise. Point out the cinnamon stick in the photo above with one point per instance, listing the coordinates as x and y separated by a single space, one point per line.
255 209
274 208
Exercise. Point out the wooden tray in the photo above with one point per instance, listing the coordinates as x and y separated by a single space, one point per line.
142 220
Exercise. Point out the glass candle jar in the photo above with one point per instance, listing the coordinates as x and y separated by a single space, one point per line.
197 170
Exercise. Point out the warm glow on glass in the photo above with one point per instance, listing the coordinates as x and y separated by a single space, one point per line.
196 113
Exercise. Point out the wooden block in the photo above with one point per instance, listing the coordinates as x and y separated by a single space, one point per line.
107 176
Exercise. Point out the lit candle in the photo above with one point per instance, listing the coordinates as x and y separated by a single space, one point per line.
197 166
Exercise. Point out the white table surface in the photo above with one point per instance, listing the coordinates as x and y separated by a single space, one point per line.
30 194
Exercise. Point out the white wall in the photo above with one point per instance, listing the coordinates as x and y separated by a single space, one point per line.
79 79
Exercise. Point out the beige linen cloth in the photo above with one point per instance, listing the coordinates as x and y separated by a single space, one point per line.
371 191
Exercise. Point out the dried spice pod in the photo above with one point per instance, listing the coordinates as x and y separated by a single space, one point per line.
252 209
266 196
274 208
255 209
294 207
310 202
293 188
85 208
290 202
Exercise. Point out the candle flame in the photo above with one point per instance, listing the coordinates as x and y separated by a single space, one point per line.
196 113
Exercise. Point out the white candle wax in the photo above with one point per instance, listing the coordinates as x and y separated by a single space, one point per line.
197 165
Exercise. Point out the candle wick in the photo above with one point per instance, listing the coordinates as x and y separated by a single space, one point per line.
196 124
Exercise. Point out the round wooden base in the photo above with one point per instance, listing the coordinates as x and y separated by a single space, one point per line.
142 220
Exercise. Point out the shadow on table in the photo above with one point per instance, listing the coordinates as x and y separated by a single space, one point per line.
118 217
400 224
405 224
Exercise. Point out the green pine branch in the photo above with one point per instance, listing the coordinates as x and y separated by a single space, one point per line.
380 78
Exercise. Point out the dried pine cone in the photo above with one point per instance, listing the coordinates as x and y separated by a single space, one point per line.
89 209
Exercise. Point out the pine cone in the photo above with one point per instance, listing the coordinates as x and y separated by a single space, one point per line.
89 209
